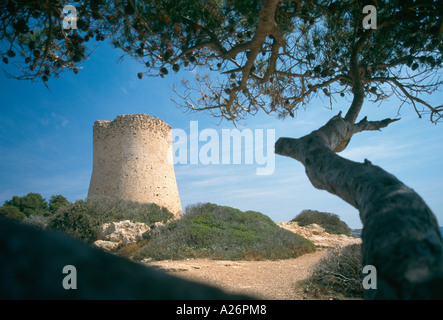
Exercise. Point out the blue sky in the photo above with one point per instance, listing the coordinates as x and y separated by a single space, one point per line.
46 142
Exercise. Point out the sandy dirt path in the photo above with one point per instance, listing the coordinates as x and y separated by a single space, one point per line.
271 280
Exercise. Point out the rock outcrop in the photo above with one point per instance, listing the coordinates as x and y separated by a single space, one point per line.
317 235
114 234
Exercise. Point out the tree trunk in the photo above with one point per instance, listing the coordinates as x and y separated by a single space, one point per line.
401 238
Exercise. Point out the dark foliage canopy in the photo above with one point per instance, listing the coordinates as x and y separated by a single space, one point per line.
250 55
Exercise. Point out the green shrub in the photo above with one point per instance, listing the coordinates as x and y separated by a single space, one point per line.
76 220
32 203
218 232
38 221
108 209
82 218
329 221
56 202
12 212
339 274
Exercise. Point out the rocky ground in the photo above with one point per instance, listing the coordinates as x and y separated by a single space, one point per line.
273 280
318 236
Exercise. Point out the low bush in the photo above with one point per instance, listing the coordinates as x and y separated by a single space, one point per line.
12 212
76 220
82 218
339 274
107 209
32 203
38 221
224 233
329 221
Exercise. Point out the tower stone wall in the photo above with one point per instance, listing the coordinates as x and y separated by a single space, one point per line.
132 160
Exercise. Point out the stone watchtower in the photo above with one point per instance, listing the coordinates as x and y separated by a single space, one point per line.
132 160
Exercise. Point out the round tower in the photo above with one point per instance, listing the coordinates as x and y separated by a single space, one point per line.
132 160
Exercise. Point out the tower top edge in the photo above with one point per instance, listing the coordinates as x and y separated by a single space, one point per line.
131 123
131 119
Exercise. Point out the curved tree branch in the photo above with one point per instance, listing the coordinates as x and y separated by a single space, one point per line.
356 75
401 237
